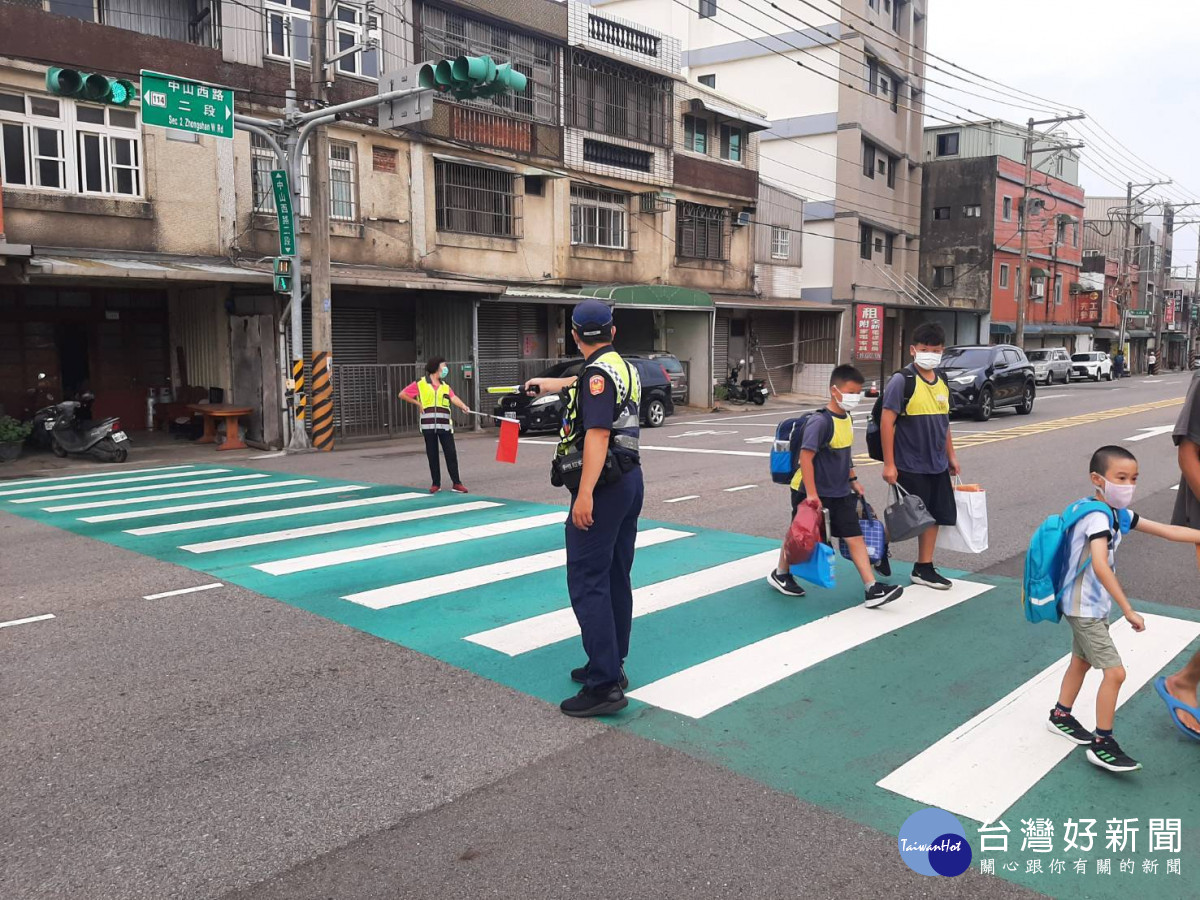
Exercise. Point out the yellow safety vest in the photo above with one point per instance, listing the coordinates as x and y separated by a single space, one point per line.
626 421
435 406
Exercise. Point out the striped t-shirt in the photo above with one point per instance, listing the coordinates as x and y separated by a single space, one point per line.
1087 597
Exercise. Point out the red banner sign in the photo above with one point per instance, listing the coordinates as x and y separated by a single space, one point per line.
868 332
1089 308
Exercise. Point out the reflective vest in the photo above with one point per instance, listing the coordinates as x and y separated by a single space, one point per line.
626 419
435 406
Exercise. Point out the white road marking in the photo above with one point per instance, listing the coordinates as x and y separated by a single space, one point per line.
1153 381
59 487
78 493
189 590
684 434
965 774
683 499
41 618
271 537
108 473
274 455
560 625
1147 433
1174 487
404 545
740 487
481 576
673 449
180 495
272 514
1041 397
718 682
765 439
219 504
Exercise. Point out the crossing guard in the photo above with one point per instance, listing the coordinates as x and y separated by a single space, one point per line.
597 460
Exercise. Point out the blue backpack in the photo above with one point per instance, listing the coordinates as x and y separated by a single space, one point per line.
785 451
1046 575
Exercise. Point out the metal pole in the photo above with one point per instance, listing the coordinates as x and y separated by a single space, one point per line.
1123 277
1195 299
1023 225
320 293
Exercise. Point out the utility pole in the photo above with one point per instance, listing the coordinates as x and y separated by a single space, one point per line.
320 297
1124 277
1025 213
1195 300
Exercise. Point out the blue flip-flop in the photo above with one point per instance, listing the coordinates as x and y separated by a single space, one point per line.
1173 707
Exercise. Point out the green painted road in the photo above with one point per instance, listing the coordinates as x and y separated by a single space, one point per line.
941 697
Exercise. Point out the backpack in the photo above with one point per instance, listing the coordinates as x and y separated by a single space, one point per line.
785 451
874 429
1046 577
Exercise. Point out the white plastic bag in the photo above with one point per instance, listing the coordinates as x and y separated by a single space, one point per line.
970 534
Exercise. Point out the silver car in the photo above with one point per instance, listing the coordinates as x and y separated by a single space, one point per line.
1050 364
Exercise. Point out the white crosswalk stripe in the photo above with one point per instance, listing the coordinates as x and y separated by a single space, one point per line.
482 576
288 534
220 504
560 625
79 493
136 480
179 495
108 473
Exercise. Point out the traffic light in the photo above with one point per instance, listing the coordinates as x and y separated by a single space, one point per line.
467 77
283 274
89 86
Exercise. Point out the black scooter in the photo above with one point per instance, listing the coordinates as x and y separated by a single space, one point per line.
68 434
751 390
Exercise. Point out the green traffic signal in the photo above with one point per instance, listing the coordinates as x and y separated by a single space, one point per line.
283 274
467 77
89 86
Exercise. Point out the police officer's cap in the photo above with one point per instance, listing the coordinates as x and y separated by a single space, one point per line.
592 319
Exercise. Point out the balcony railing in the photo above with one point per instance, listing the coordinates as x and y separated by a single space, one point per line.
618 35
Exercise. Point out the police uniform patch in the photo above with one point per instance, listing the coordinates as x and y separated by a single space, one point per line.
596 384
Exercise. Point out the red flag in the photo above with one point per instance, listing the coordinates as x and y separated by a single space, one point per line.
510 433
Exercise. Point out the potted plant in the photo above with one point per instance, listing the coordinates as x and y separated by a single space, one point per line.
720 392
12 436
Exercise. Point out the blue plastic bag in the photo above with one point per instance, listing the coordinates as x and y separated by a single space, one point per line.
819 570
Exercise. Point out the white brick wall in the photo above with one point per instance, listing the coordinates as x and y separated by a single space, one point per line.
813 378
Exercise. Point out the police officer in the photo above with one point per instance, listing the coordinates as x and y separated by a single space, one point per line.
597 460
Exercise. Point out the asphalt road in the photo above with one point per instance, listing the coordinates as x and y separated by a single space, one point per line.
227 745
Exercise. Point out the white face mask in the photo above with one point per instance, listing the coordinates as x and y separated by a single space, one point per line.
849 401
1119 496
928 361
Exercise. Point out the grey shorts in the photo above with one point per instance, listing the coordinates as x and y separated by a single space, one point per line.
1092 642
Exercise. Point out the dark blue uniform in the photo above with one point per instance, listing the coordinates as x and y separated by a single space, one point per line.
599 559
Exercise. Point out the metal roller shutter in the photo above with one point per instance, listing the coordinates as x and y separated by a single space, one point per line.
721 348
773 359
355 335
499 345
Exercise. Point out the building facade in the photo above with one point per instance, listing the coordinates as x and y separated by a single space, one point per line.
1131 295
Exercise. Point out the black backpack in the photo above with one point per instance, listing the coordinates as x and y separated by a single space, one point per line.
874 429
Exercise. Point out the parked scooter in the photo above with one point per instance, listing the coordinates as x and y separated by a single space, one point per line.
68 434
751 390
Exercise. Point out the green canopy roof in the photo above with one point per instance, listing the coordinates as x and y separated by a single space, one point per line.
650 295
1036 272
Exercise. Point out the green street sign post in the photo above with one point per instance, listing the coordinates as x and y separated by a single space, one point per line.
186 105
1139 313
283 208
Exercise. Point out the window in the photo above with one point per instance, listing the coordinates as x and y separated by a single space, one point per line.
700 230
342 178
695 134
943 276
599 218
897 15
947 144
1004 275
889 248
781 242
605 154
865 236
872 75
708 9
709 81
868 151
351 26
942 213
1060 232
731 143
972 212
76 9
475 200
282 42
1058 290
893 163
54 144
1074 234
1007 204
623 101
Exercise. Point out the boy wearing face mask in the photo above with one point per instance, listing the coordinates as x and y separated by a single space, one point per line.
918 451
826 477
1089 597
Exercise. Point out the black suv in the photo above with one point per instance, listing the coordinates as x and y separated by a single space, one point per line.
982 379
545 413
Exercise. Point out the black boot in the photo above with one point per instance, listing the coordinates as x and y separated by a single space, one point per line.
595 702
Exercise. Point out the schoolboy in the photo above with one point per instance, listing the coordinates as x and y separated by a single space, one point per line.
918 450
1086 603
826 477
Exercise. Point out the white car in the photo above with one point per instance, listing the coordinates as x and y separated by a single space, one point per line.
1095 365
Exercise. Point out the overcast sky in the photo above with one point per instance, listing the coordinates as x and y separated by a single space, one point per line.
1132 67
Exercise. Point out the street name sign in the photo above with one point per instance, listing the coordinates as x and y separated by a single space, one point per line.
283 208
186 105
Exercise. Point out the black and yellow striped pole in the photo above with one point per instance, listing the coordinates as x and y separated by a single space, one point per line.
300 399
322 434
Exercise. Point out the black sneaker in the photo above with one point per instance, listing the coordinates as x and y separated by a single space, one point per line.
928 577
880 593
1105 753
1068 726
785 584
884 567
579 676
587 702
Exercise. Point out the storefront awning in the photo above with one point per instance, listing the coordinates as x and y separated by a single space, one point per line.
1000 328
768 303
1139 334
1175 337
751 121
1109 334
1053 328
650 296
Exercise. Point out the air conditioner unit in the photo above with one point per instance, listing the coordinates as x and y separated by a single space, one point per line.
1038 289
742 219
655 202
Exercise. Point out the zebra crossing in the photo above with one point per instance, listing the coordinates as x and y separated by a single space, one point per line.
872 713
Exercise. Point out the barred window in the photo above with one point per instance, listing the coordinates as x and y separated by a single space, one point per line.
700 231
618 100
342 202
343 180
599 218
475 200
781 242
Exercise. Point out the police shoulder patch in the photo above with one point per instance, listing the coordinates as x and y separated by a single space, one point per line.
596 384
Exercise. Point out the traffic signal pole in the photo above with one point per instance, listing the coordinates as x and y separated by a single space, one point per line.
320 290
